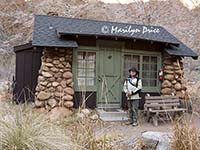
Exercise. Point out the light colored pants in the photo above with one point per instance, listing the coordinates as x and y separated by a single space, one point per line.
133 106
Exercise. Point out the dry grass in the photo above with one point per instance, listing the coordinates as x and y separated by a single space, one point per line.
23 129
86 136
185 135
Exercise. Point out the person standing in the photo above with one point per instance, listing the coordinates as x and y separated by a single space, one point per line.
132 88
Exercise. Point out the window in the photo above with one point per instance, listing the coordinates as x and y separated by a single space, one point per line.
149 70
147 64
86 68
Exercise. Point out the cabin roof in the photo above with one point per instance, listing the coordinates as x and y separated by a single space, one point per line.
50 30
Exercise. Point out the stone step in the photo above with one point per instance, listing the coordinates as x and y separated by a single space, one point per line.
102 106
112 114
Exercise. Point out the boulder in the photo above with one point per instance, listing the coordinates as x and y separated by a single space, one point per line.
178 86
44 83
68 65
177 68
61 70
162 138
67 75
58 94
52 89
39 104
55 84
68 98
48 60
68 104
169 67
167 62
177 77
166 84
176 64
69 81
48 64
41 78
49 85
59 88
56 62
46 74
169 77
168 71
45 68
43 95
69 91
166 91
52 102
52 79
40 87
174 82
37 89
179 72
54 69
60 65
58 75
71 85
63 83
64 63
59 79
62 58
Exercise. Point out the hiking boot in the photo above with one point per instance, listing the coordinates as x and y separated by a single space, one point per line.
134 124
129 123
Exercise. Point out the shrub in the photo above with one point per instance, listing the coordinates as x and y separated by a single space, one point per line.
23 129
185 136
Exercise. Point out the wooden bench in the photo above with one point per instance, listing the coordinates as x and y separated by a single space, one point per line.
157 106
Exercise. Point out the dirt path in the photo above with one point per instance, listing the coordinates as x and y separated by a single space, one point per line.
129 134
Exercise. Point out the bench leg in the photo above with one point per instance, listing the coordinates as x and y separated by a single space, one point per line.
155 120
148 116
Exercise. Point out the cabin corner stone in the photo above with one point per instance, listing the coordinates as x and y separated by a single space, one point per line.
55 84
173 82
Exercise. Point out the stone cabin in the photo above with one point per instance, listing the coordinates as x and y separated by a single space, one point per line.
72 62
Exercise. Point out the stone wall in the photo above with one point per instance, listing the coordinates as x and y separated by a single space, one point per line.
173 82
55 84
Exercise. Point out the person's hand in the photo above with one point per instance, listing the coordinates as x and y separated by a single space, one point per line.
128 94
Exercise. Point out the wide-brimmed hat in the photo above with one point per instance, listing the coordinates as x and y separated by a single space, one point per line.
133 69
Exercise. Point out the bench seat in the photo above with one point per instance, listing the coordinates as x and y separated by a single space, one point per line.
156 105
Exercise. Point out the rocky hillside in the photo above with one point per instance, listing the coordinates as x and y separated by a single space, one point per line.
16 23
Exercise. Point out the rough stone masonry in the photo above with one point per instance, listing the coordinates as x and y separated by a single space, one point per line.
55 84
173 82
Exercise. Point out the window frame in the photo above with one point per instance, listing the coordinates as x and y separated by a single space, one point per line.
75 66
141 54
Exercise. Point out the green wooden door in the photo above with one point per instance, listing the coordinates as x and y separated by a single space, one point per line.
109 77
